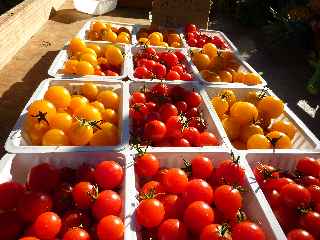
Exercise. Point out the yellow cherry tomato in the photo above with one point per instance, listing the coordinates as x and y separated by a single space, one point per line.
239 145
210 49
144 40
77 102
89 90
110 36
88 112
88 50
98 105
252 79
279 140
155 39
220 105
107 136
60 120
41 106
229 95
285 127
80 133
84 68
225 76
272 106
70 67
176 45
173 37
55 137
96 48
164 44
238 76
109 99
59 96
231 127
90 58
35 129
110 115
114 55
244 112
258 141
201 60
123 39
77 45
248 130
98 26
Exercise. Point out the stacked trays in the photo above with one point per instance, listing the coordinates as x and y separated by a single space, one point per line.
23 156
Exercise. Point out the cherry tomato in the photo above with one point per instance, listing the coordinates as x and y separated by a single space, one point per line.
181 142
186 76
59 96
287 218
107 203
273 198
198 190
309 166
142 72
294 195
172 229
299 234
307 181
152 186
179 69
228 200
10 193
247 230
155 130
83 194
192 42
191 134
198 215
74 218
159 70
160 89
172 75
47 225
215 232
109 174
207 139
311 222
264 171
175 180
193 99
137 97
315 193
85 173
76 233
181 106
146 165
62 197
150 213
231 172
10 225
170 59
174 206
276 183
174 126
138 111
167 110
110 228
190 28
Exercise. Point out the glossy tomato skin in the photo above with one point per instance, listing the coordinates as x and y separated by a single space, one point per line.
191 134
287 218
315 193
137 97
299 234
311 222
247 230
85 173
74 218
10 225
76 233
202 167
276 183
175 180
83 194
273 198
309 166
47 225
155 130
159 70
181 142
172 229
231 172
214 232
152 186
109 175
107 203
181 106
146 165
174 206
167 110
294 195
10 193
198 190
193 99
207 139
190 28
110 228
150 213
174 126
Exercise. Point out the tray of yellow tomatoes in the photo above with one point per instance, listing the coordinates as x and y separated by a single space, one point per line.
72 115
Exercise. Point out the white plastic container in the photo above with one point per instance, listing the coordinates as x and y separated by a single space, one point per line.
83 33
244 66
303 140
282 160
212 127
253 206
56 68
17 142
16 166
95 7
187 62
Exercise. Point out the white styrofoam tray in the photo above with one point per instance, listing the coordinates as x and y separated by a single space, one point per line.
244 66
18 143
304 139
137 27
15 167
83 33
253 206
56 68
281 160
187 62
212 127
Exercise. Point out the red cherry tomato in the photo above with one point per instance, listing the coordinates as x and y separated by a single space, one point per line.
192 42
47 225
110 228
207 139
276 183
307 181
231 172
191 134
214 232
83 194
173 206
146 165
172 75
10 193
294 195
202 167
172 229
155 130
107 203
315 193
190 28
137 97
181 142
74 218
167 110
181 106
160 89
142 72
186 76
138 111
175 180
109 175
198 190
170 59
149 64
174 126
311 222
247 230
299 234
287 218
85 173
150 213
309 166
159 70
273 198
62 197
193 99
152 186
179 69
76 233
180 55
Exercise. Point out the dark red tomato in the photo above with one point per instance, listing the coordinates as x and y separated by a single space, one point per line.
228 200
214 179
152 116
207 139
286 217
198 215
160 89
167 110
190 28
10 225
299 234
160 175
273 198
202 167
110 228
150 64
174 126
83 194
247 230
309 166
138 111
155 130
190 35
186 76
294 195
32 204
142 72
146 165
198 190
141 62
74 218
180 56
165 142
315 193
311 222
47 225
173 205
263 172
307 181
199 123
172 229
159 70
191 134
175 180
150 52
177 93
201 42
76 233
62 198
150 213
151 106
214 232
231 172
180 142
317 207
181 106
172 75
137 97
192 42
68 175
85 173
193 99
170 59
108 175
177 68
10 193
40 173
111 73
107 203
276 183
193 112
152 186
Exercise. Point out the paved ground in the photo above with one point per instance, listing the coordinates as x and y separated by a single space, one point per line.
285 70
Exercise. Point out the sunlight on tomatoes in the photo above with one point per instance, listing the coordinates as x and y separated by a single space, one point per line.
55 137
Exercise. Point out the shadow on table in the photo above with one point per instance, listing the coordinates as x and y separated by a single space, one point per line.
14 99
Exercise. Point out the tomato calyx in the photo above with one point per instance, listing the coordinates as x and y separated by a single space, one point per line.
135 143
273 141
265 172
241 216
303 210
262 93
187 167
91 123
235 160
41 116
224 229
93 193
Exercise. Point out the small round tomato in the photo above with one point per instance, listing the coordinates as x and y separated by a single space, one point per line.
287 218
159 70
198 215
138 112
152 186
172 229
276 183
175 180
193 99
307 181
160 89
273 198
62 197
10 193
150 213
309 166
137 97
198 190
294 195
89 90
191 134
107 203
109 98
142 73
146 165
80 134
47 225
181 142
59 96
76 233
207 139
167 110
108 174
299 234
172 75
110 228
55 137
186 76
155 130
315 193
181 106
231 172
311 222
83 194
85 173
215 232
202 167
247 230
75 218
173 205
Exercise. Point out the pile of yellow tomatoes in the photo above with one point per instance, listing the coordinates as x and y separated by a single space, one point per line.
155 37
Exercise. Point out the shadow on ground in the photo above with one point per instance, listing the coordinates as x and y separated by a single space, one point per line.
13 100
286 70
